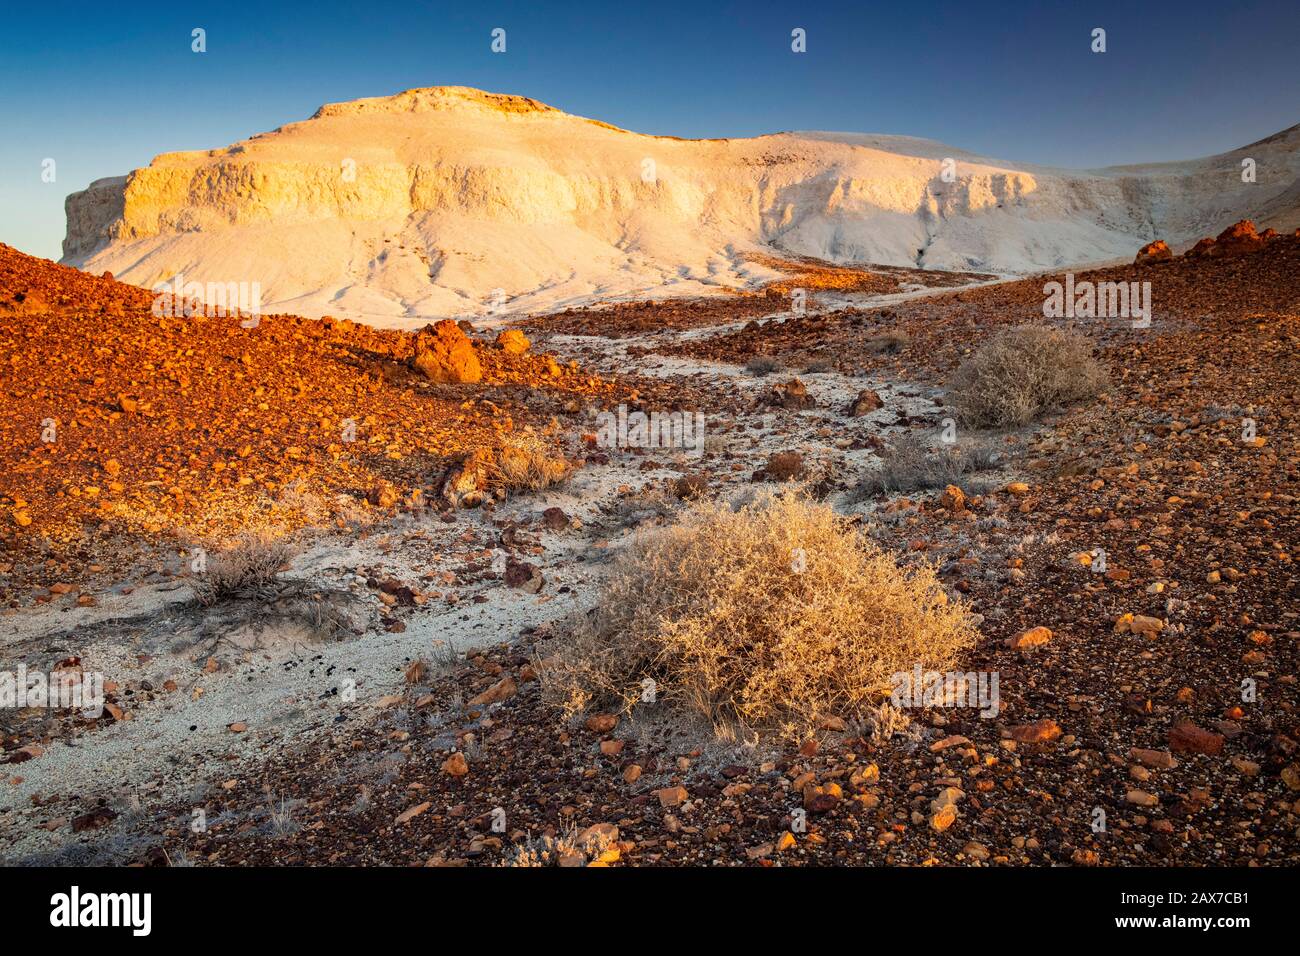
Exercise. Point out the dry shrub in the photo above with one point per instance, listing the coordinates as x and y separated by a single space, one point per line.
566 848
887 343
761 365
908 465
244 569
1023 371
771 616
527 464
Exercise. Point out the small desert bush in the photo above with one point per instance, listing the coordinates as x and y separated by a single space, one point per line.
887 343
244 569
771 616
567 848
908 465
761 365
526 464
1021 372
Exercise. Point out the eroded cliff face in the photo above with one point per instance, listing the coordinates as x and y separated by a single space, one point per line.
449 201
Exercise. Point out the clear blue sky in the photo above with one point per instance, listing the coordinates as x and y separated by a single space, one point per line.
103 87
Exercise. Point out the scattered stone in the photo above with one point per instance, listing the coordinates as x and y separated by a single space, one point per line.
944 818
501 690
670 797
554 519
867 401
455 765
601 723
953 499
1040 731
412 812
1139 624
94 820
1034 637
1186 737
1154 759
524 576
513 342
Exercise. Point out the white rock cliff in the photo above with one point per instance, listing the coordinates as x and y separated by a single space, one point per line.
452 201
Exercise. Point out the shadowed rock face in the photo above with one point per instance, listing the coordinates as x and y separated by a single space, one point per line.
450 201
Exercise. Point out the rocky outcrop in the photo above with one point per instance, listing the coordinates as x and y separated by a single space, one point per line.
451 201
513 342
1237 239
443 353
1157 251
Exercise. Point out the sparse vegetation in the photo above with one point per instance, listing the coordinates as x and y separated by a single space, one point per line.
527 465
1023 371
887 343
245 569
566 848
761 365
771 616
909 464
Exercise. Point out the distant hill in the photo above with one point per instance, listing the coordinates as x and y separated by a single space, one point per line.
452 201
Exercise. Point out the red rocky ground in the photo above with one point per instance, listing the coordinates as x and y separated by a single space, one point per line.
1122 687
122 432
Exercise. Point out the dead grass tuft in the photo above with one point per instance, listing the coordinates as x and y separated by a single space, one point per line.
771 616
1023 371
527 465
909 464
566 848
762 365
246 568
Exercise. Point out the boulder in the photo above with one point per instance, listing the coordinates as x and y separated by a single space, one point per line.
867 401
1237 239
444 354
513 342
1157 251
793 395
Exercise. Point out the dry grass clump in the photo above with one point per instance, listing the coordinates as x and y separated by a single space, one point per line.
761 365
525 463
566 848
528 465
1023 371
245 569
887 343
909 464
772 616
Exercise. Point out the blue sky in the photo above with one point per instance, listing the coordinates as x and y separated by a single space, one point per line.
102 90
